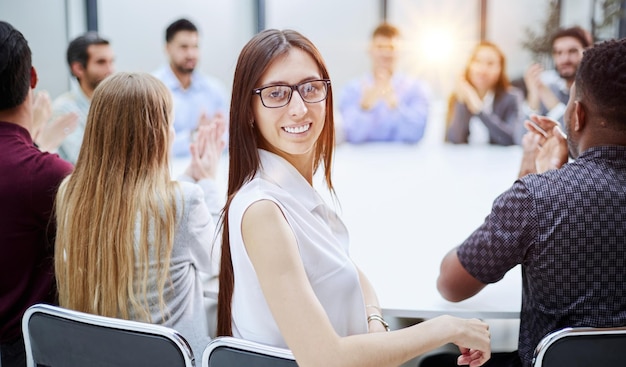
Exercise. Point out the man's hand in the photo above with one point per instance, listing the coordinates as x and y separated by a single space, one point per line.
42 110
530 147
381 89
532 80
545 146
553 152
52 134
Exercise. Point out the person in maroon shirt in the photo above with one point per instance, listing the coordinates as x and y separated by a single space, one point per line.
28 183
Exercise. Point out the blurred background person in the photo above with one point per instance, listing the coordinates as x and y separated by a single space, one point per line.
548 90
384 105
198 99
91 59
484 108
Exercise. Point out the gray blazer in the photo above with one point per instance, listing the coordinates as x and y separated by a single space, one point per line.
503 123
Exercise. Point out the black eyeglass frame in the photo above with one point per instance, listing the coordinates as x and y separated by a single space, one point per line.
295 87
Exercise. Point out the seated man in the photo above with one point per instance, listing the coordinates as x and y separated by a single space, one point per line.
28 182
90 59
566 226
548 90
384 106
198 99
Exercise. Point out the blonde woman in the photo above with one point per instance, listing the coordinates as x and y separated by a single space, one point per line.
130 241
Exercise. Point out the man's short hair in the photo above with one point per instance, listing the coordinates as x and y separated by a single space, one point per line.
386 30
178 26
601 81
577 32
77 49
15 66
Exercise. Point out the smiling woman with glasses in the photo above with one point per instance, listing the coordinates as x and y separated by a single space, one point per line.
286 278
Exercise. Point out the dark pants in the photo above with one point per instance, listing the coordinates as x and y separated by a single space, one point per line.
12 354
510 359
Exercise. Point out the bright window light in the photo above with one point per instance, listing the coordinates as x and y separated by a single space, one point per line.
436 46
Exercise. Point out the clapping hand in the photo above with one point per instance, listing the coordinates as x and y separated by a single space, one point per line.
381 89
49 135
467 95
52 134
548 142
206 149
42 110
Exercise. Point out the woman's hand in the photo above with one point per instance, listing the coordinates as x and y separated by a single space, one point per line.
467 95
472 337
206 150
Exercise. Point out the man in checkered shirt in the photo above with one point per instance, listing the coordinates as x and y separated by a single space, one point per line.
566 226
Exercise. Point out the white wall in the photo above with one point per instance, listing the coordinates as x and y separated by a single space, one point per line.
576 12
506 23
136 30
438 34
44 25
340 29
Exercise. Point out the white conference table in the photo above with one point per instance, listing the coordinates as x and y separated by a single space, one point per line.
406 206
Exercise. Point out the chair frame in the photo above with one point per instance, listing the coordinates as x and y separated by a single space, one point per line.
105 322
569 332
244 345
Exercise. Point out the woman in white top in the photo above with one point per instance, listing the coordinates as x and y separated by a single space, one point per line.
484 108
286 278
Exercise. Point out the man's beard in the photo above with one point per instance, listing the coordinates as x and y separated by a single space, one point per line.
94 83
567 75
184 70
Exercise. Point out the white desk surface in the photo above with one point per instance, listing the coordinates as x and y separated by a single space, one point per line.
406 206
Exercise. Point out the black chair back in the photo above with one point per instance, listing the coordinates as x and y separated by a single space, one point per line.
582 347
234 352
57 337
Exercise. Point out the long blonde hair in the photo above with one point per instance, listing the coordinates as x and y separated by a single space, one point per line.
118 207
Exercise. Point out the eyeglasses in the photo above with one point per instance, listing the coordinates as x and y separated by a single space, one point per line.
279 95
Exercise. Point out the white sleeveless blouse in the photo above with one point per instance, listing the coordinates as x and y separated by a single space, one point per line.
323 244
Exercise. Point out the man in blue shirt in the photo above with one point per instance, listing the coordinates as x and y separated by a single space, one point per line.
198 99
384 105
90 59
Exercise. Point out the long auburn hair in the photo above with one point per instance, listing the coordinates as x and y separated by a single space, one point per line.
117 210
502 84
244 140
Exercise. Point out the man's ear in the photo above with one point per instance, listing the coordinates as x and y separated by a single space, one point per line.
580 115
33 77
77 69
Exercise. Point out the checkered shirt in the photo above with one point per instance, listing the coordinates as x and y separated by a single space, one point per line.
567 228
